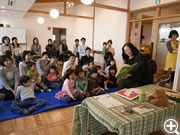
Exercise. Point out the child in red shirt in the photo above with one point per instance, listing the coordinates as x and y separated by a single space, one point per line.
54 79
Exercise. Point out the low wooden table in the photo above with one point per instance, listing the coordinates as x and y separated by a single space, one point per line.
91 117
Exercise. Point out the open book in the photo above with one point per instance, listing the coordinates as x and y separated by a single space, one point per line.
125 69
141 109
129 94
107 101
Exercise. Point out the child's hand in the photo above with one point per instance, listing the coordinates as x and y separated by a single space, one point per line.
82 92
15 101
110 82
73 67
101 89
73 98
14 92
38 81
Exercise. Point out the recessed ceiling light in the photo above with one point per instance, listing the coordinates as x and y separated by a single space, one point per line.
87 2
54 13
2 6
40 20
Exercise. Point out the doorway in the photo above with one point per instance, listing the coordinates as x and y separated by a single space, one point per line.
58 35
164 30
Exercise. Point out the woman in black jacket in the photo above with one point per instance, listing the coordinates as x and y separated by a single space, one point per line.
139 75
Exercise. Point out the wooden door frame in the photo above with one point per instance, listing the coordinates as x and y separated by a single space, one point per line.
155 31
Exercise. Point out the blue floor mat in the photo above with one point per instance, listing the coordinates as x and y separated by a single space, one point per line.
52 103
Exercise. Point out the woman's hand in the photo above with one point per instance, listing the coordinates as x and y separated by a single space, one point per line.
126 76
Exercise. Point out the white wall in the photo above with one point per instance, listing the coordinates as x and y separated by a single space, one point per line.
110 25
116 3
135 4
76 28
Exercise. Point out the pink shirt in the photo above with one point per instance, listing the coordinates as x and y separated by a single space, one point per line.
69 87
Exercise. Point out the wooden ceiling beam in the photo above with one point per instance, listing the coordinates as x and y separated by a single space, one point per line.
48 1
98 5
62 14
109 7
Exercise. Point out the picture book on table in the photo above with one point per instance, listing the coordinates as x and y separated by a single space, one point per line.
129 94
125 69
141 109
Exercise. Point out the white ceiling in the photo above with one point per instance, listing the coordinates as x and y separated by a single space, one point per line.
18 9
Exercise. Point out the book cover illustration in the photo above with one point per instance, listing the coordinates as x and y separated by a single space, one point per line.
129 94
124 69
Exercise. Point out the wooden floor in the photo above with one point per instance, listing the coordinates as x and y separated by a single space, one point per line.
54 122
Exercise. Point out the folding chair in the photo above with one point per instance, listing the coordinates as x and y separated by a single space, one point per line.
163 79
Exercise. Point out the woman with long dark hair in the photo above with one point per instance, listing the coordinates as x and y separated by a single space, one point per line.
16 50
136 77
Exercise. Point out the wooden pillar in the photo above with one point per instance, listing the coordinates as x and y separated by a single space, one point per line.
93 28
128 23
65 7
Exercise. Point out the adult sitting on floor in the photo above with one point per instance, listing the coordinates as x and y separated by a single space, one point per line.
137 76
26 58
85 60
70 64
43 64
50 48
9 77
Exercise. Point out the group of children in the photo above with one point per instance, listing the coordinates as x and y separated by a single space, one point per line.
76 84
80 87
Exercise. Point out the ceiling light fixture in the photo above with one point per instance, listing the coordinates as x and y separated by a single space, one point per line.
54 13
40 20
87 2
2 6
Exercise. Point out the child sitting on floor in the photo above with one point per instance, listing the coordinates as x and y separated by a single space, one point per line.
88 68
81 83
36 78
25 92
93 84
112 64
68 93
54 79
112 81
103 77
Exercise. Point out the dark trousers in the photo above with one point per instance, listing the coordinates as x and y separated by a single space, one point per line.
126 83
31 102
9 95
68 99
95 92
55 85
172 76
18 60
40 86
